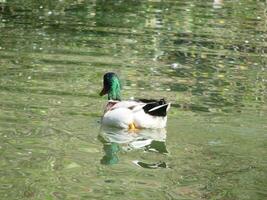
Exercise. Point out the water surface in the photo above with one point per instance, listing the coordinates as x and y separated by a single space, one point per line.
208 59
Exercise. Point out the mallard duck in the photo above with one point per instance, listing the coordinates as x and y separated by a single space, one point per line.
131 114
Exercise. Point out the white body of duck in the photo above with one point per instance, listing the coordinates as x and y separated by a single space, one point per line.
137 114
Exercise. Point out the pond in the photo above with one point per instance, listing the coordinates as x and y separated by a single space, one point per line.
209 59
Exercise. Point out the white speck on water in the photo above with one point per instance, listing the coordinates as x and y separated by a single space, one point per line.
49 12
258 17
41 7
152 69
72 165
168 89
174 65
212 142
246 41
29 77
34 47
52 164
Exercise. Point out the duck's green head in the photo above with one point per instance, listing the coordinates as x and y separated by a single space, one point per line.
111 86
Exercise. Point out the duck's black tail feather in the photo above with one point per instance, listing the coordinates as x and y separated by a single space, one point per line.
155 107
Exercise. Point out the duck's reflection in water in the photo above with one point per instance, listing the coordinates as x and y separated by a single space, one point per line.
116 140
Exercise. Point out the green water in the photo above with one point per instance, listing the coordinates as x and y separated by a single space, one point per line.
209 60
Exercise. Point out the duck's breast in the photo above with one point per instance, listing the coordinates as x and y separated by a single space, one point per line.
119 117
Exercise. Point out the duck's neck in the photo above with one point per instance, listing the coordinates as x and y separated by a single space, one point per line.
115 90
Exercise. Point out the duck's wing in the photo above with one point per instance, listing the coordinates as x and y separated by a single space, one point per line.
156 108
